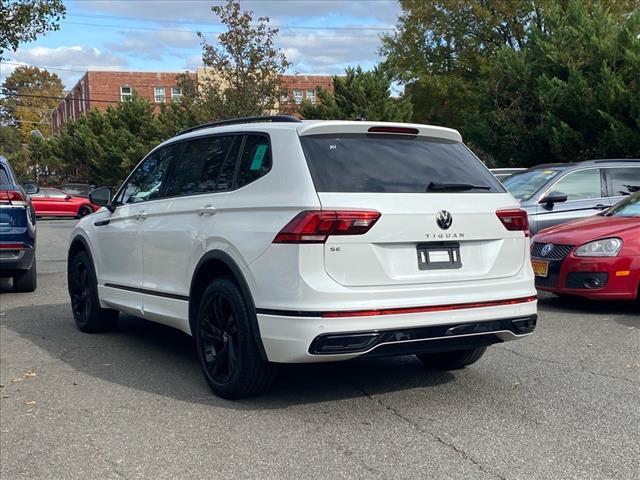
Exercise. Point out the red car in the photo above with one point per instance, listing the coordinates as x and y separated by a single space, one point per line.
51 202
596 257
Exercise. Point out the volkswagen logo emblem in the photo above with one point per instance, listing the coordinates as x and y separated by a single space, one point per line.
444 219
546 250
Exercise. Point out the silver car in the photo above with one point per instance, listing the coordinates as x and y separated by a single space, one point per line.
557 193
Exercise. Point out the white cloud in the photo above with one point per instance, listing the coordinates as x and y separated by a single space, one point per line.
69 62
154 45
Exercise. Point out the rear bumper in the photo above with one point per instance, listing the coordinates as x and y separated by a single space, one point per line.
303 339
14 261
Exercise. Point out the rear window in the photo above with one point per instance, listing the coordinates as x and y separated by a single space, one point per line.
361 163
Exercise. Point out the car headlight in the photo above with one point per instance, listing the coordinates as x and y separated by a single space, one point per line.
606 247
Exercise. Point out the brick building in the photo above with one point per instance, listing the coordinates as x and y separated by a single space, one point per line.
101 89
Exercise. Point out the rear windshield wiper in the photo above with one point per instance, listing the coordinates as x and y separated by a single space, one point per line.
454 187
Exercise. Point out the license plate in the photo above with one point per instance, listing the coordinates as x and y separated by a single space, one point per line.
540 268
439 255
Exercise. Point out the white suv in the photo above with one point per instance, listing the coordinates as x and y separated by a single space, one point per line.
274 240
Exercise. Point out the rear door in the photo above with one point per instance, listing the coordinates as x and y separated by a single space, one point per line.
622 181
437 202
586 196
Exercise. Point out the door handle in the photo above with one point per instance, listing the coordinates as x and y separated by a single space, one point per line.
207 210
600 206
141 216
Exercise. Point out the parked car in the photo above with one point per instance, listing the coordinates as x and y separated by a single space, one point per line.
17 231
51 202
558 193
78 189
504 173
273 240
596 257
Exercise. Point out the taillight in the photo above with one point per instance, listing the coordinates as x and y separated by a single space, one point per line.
514 220
317 226
12 198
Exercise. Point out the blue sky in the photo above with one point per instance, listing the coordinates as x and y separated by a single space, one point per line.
160 35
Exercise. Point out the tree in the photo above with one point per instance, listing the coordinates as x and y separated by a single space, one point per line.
23 20
30 94
359 94
244 65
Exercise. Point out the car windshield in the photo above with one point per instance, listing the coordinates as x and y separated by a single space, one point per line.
629 207
524 185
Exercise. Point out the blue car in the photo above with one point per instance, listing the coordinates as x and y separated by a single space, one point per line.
17 231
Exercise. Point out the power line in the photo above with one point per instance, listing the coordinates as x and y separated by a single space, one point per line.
156 29
187 22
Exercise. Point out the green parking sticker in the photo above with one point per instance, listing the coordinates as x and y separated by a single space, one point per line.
256 164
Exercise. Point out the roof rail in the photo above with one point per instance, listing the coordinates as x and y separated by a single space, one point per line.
607 160
235 121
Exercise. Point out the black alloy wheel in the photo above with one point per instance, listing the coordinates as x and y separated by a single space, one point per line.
219 338
231 361
83 290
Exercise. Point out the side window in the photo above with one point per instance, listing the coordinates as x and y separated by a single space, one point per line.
200 164
580 185
225 177
56 194
255 161
146 182
624 181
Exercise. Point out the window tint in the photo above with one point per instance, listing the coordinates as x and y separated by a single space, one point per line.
200 164
4 177
392 164
255 161
146 182
580 185
624 180
225 177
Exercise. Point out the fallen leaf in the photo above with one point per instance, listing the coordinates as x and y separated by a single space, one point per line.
1 385
30 374
16 380
589 345
29 402
5 396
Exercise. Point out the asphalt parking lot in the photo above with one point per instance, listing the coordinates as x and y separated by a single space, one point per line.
563 403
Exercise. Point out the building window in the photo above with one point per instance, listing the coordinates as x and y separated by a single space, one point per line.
311 96
126 93
159 94
176 93
297 96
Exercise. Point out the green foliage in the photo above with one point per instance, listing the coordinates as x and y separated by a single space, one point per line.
244 65
23 20
359 94
525 81
30 93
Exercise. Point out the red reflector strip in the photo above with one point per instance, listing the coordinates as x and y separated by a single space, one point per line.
404 130
12 246
431 308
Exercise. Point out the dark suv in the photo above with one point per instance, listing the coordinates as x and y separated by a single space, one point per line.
17 231
561 192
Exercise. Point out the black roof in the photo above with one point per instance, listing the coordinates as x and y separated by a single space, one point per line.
236 121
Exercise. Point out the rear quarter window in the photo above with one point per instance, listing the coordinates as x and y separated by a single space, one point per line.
360 163
4 176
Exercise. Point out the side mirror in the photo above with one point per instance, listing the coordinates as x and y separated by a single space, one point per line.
67 197
31 188
553 198
102 197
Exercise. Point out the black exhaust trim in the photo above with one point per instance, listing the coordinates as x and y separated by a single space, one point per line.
437 337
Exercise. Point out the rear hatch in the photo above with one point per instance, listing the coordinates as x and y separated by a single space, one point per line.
437 205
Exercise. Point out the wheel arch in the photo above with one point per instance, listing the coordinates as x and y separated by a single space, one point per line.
78 244
215 264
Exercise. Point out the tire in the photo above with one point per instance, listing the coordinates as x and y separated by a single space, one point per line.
454 360
227 350
27 280
83 290
84 211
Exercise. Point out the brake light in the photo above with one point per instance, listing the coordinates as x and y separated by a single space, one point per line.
12 246
317 226
404 130
514 220
11 198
